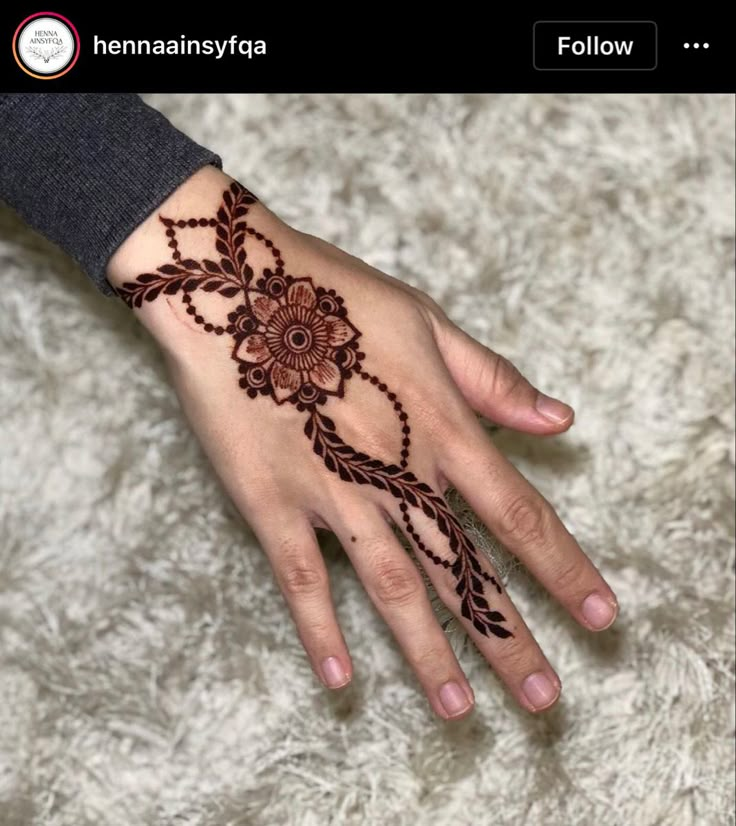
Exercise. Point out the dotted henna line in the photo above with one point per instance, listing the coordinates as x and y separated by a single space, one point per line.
401 413
275 252
411 530
190 222
209 328
413 533
492 580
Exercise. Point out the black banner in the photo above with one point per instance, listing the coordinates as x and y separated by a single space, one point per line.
239 48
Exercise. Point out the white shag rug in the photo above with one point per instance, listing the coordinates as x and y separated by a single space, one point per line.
149 673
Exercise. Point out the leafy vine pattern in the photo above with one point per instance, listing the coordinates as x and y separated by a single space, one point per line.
293 341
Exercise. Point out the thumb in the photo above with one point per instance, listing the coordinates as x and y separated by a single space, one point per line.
496 389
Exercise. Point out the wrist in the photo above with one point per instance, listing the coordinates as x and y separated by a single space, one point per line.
189 256
148 245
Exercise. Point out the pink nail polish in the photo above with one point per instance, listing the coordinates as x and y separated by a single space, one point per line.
333 673
552 409
539 690
454 700
598 612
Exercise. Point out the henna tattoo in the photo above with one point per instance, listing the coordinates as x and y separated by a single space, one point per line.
292 340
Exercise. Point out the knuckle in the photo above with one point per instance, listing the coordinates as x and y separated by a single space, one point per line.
506 378
396 584
428 304
517 656
254 495
566 574
297 578
524 520
314 632
439 422
430 660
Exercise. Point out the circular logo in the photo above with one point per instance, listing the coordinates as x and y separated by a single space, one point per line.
46 45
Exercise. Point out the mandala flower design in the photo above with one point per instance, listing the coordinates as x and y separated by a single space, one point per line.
296 343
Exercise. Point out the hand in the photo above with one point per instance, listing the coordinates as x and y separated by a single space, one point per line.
330 395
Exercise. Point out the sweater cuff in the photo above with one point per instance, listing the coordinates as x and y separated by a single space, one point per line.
85 170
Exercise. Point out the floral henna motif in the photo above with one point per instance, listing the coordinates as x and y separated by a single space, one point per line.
293 341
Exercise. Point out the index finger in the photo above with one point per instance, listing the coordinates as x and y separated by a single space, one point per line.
526 523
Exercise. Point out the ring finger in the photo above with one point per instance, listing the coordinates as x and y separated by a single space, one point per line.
396 588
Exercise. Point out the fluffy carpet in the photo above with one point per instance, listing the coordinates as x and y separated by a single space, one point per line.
149 672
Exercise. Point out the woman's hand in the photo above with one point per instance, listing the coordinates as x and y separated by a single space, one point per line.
328 394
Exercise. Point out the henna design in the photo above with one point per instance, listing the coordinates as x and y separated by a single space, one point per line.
293 341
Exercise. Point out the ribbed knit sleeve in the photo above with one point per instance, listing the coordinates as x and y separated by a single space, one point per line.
86 169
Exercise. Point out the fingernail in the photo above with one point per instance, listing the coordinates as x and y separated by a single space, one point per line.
599 612
553 409
333 673
454 700
539 690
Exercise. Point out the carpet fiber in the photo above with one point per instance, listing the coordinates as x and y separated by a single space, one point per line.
149 672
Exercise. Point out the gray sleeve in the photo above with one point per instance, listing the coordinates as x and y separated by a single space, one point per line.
85 169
